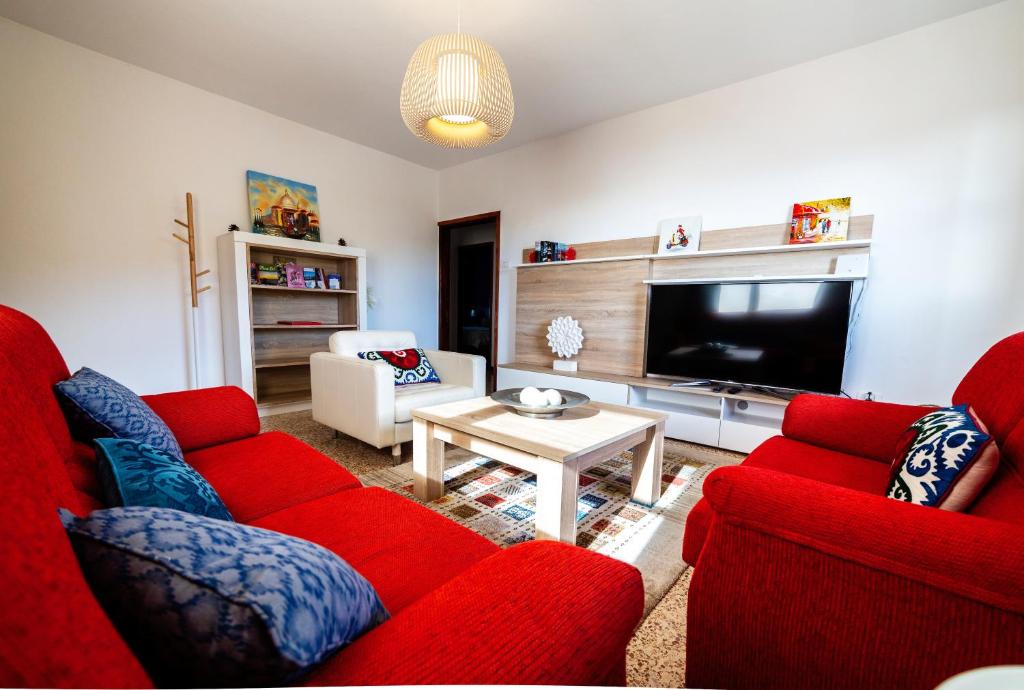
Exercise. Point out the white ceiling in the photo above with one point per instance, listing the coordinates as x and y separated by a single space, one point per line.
337 65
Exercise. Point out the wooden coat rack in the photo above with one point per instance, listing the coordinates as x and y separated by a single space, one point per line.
193 278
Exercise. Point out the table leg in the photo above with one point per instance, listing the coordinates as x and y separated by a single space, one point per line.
427 461
647 461
557 486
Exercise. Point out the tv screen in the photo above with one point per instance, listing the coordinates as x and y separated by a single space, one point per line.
777 334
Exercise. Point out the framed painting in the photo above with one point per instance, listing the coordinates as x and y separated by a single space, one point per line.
283 208
679 235
825 220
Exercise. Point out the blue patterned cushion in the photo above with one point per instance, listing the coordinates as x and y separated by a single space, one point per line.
209 603
946 460
97 406
137 474
410 365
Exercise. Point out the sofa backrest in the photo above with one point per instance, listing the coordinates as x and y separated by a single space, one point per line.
31 351
994 387
53 632
351 343
29 357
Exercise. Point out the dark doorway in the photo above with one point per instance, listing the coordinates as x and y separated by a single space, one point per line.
469 250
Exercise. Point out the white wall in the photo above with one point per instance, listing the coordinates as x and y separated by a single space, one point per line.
925 130
95 158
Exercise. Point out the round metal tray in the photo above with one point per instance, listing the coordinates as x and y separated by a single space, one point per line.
509 397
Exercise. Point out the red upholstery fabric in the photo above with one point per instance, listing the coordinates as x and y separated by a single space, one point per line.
262 474
799 459
698 524
402 548
40 365
803 589
803 460
808 577
994 387
207 417
52 631
855 427
535 614
1003 498
461 609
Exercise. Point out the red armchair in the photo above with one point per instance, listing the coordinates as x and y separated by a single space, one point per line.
807 576
463 610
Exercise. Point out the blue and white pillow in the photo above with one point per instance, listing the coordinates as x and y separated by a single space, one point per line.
97 406
945 460
137 474
209 603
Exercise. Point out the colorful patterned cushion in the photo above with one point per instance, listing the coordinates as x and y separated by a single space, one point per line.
209 603
946 459
410 366
137 474
97 406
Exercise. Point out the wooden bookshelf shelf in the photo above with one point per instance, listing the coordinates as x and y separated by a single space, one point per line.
267 359
304 291
270 363
287 326
282 398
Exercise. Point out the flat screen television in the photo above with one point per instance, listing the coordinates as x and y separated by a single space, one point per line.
788 335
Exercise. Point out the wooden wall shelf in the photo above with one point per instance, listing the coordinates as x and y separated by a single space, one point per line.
808 277
606 287
775 249
267 359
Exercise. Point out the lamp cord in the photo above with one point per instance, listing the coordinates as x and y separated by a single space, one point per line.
458 12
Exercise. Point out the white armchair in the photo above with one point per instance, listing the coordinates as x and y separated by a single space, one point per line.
359 397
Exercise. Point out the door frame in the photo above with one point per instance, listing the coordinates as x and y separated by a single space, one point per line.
445 228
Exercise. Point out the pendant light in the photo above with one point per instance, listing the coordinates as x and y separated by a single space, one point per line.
456 92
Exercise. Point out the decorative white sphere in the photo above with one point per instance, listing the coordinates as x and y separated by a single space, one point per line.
553 397
565 337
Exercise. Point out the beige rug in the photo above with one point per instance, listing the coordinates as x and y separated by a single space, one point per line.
656 654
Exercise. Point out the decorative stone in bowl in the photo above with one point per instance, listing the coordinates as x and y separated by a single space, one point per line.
539 404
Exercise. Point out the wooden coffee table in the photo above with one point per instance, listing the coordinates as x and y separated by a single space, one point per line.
556 450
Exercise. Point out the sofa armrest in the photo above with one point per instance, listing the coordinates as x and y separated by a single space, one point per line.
856 427
207 416
354 396
967 556
801 585
540 613
460 369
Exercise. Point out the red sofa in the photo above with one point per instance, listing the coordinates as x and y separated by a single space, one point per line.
806 576
463 610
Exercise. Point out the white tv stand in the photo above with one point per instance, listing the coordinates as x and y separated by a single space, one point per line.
735 421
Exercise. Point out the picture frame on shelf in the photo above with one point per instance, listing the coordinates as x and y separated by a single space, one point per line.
824 220
679 235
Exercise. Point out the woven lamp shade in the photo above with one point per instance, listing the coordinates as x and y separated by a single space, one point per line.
456 93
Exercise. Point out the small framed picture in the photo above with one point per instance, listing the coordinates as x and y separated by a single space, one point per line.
679 235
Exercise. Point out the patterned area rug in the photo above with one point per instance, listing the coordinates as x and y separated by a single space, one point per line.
499 502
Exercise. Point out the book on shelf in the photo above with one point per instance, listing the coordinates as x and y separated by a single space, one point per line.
300 323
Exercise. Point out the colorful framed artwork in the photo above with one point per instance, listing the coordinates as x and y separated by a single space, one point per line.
283 208
825 220
679 235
